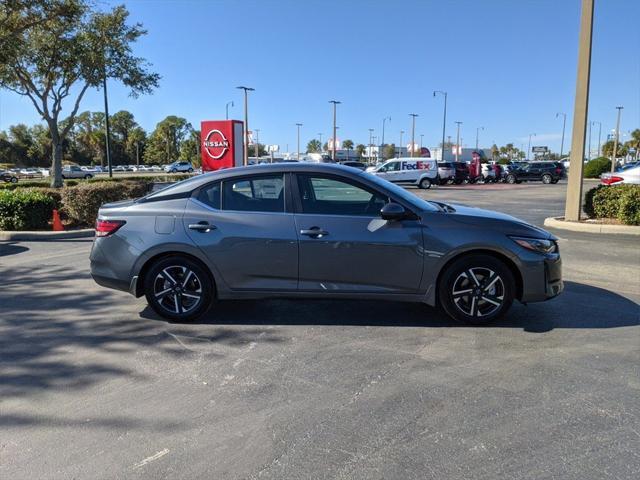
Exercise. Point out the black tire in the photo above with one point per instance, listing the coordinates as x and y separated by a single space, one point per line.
190 170
14 180
425 184
546 179
173 299
174 170
483 301
87 177
555 181
511 179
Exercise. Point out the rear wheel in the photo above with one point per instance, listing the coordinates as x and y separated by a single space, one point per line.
546 179
14 179
476 289
178 288
511 178
190 170
425 184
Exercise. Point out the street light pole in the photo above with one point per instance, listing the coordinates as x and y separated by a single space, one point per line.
298 125
564 123
245 160
529 147
226 108
599 135
257 144
413 132
320 135
421 135
106 124
458 140
384 120
370 143
335 102
477 133
589 150
444 119
400 146
573 205
615 142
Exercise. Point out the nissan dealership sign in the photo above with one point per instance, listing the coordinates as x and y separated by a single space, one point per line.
215 144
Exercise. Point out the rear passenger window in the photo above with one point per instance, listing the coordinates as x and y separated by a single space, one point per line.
254 194
210 195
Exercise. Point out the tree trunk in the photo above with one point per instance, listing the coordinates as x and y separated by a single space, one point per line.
56 163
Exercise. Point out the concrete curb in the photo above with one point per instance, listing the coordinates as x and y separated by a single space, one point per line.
559 223
48 235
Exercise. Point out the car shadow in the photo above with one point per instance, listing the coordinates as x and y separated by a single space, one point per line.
11 248
580 306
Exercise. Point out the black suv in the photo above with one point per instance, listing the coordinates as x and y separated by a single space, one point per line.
546 172
8 177
462 172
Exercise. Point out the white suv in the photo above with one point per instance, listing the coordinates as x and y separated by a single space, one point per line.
413 171
178 167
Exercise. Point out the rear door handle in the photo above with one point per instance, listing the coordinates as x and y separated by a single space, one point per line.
202 227
314 232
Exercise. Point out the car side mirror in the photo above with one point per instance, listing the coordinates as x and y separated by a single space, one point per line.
393 211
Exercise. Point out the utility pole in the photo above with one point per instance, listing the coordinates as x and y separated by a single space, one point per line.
599 134
138 154
320 135
245 160
400 147
589 150
477 132
444 120
529 147
298 125
106 124
257 144
573 205
458 140
226 107
421 135
564 124
384 120
615 142
370 143
413 133
335 102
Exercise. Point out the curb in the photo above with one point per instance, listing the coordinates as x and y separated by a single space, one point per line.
559 223
47 235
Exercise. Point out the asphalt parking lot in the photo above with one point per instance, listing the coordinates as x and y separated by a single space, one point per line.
94 385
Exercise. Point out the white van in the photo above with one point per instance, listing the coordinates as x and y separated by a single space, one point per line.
413 171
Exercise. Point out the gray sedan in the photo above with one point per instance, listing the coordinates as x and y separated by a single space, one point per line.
318 231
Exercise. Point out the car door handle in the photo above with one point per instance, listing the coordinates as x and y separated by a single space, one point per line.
202 227
314 232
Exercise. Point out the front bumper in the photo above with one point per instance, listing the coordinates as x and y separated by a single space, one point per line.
543 280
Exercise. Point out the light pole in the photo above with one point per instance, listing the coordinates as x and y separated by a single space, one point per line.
421 136
413 132
400 146
384 120
257 144
138 154
370 143
564 124
320 136
298 125
477 133
529 147
106 124
226 108
245 159
373 142
615 142
444 119
599 134
589 150
335 102
458 140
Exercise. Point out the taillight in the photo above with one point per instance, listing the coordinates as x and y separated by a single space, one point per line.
558 171
104 228
611 180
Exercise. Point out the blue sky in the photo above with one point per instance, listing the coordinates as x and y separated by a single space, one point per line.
508 65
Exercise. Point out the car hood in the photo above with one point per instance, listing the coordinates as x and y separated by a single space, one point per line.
497 220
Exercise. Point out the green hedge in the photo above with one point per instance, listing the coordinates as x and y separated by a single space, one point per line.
596 167
621 202
25 210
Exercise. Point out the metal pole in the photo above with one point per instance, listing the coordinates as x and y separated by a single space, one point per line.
413 133
138 154
298 125
573 205
320 135
370 143
335 102
458 140
564 123
400 147
589 150
106 124
421 136
255 148
245 160
227 109
615 142
477 133
529 147
444 120
599 136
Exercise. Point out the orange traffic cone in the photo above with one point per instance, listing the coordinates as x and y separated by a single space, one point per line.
57 224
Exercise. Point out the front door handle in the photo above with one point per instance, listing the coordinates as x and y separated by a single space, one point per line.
202 227
314 232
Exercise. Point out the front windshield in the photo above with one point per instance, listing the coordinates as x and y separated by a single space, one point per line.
402 193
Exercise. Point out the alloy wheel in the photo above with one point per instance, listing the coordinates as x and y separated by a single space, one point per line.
478 292
177 289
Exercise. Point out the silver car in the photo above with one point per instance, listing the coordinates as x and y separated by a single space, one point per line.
318 231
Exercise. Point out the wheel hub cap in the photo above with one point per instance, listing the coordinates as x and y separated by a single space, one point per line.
478 292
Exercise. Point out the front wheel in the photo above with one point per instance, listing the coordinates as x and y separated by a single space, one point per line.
190 170
87 177
178 288
511 179
173 170
425 184
546 179
14 180
476 289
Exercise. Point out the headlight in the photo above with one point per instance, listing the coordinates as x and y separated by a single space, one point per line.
536 244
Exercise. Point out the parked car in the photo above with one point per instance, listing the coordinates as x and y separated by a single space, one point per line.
74 171
629 175
627 166
446 172
546 172
8 176
462 172
354 164
422 172
178 167
334 232
30 173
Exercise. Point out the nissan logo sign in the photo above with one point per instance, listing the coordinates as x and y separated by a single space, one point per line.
216 144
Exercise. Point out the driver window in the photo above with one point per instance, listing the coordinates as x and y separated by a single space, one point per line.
329 196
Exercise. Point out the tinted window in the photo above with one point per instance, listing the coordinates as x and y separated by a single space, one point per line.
254 194
210 195
390 167
445 165
329 196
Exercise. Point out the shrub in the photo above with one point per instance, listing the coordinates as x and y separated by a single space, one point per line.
618 201
629 212
25 210
596 167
